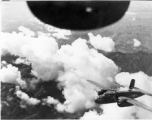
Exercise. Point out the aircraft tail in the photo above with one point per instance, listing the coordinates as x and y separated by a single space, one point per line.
132 84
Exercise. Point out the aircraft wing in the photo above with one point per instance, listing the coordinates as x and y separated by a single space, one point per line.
147 93
136 103
99 85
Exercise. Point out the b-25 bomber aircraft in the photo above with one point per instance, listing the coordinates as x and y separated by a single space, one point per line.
122 98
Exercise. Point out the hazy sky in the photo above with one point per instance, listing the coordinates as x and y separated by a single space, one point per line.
15 10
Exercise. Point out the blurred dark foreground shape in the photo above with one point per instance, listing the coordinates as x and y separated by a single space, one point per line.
79 15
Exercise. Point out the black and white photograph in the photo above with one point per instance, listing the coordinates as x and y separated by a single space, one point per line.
76 59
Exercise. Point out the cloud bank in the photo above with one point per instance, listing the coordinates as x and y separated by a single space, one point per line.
39 50
72 65
80 64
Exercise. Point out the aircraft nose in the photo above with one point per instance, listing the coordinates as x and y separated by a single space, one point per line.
98 101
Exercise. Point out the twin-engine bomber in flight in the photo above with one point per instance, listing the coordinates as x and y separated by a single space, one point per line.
123 98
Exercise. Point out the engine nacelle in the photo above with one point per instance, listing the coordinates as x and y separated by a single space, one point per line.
101 92
123 103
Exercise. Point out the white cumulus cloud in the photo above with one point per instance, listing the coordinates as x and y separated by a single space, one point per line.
82 64
29 100
38 50
23 61
26 31
10 74
52 101
136 43
102 43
